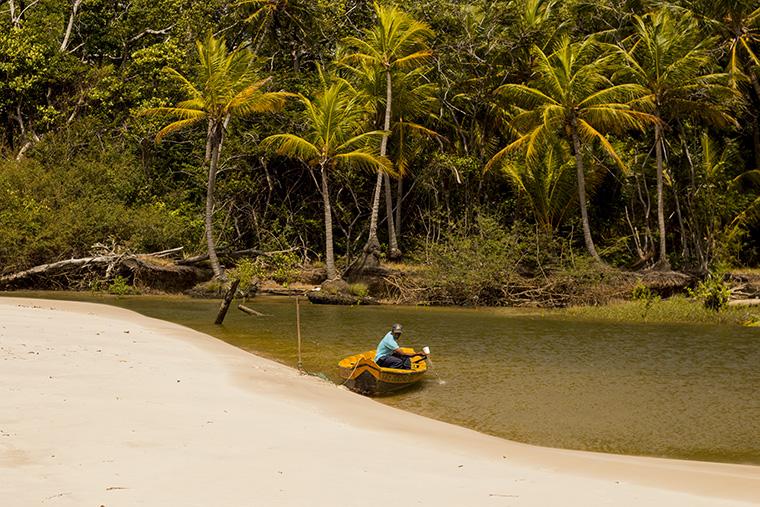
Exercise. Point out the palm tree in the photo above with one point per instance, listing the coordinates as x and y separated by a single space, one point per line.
737 25
737 22
546 181
334 137
572 97
395 42
670 58
226 85
286 22
415 98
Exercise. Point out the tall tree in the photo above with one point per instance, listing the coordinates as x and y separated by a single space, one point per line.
737 25
572 96
670 58
395 42
334 137
227 84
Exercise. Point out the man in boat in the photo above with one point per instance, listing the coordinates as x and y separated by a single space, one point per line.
390 355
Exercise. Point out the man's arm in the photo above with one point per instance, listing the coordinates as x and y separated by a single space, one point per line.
400 352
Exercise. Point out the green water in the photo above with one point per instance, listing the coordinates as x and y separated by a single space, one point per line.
681 391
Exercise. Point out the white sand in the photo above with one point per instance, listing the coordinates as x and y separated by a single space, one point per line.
102 406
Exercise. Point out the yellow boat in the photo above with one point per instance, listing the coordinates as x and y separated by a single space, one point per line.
362 374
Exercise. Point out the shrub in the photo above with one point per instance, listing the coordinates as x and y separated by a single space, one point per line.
713 292
359 289
120 286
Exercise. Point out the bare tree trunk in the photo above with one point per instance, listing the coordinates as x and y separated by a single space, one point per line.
399 198
373 244
393 250
67 35
14 19
217 133
332 273
662 262
582 193
681 225
756 129
372 248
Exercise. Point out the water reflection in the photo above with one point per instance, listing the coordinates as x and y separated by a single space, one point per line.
651 389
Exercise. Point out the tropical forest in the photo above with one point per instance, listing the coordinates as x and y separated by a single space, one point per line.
437 152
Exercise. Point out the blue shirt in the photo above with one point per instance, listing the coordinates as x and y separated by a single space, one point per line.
386 346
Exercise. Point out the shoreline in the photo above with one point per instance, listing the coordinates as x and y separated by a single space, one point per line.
102 404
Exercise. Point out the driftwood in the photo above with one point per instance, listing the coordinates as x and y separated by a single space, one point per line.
744 302
324 298
250 311
149 270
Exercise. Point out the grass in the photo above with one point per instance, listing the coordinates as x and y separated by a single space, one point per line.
677 309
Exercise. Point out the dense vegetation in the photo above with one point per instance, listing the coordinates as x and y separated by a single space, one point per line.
482 138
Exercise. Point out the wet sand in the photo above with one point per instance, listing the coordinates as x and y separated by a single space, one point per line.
103 406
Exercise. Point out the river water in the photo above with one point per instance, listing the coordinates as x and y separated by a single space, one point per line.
679 391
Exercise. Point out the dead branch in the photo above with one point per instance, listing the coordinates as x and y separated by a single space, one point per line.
250 311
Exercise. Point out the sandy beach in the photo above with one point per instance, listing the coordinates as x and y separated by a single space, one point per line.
100 406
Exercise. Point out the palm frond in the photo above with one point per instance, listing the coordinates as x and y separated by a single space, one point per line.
175 126
178 112
364 159
590 133
292 146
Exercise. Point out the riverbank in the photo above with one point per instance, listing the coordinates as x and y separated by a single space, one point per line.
103 406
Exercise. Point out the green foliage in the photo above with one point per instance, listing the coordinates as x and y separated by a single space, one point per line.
641 292
713 292
283 268
248 271
89 171
61 210
472 268
120 286
359 289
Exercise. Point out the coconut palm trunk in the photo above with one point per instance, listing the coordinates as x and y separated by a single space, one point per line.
396 42
373 244
399 196
372 247
227 85
662 262
756 129
394 252
216 131
332 273
582 191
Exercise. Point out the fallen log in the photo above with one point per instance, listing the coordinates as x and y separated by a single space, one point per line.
146 270
325 298
250 311
55 267
744 302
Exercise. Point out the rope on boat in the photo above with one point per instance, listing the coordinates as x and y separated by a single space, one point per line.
351 374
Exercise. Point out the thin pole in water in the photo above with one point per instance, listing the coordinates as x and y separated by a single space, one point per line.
298 330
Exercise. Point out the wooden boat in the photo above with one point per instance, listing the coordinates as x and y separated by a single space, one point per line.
362 374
